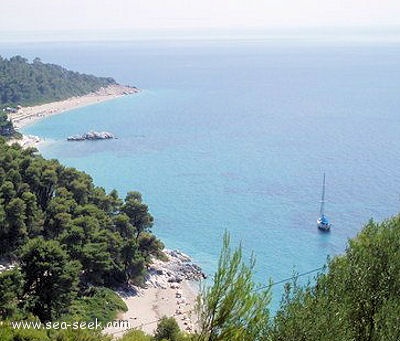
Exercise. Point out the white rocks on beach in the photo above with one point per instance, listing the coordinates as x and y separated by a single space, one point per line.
178 267
167 292
6 265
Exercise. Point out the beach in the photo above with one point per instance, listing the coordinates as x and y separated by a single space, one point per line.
171 290
29 115
172 286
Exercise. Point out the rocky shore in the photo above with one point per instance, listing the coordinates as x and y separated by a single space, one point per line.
171 290
178 268
6 265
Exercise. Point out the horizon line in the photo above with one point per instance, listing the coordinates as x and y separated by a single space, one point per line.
390 33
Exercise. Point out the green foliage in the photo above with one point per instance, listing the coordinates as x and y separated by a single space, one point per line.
7 333
150 246
138 214
78 335
232 308
167 329
136 335
357 299
98 303
11 283
6 127
66 233
33 83
24 83
51 279
40 197
15 227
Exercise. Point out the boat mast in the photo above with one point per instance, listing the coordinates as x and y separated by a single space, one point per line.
321 212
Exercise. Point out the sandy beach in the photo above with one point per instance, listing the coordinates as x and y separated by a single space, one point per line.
172 289
28 115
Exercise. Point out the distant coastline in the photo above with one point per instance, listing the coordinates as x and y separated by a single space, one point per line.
29 115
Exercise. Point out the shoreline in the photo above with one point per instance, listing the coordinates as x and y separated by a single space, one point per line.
172 286
170 290
29 115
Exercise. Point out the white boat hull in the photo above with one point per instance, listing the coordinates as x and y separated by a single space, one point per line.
323 226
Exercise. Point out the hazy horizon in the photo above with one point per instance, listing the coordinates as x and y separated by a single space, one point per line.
41 20
388 34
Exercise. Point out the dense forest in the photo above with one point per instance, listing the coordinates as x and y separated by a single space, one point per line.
71 242
66 235
6 126
34 83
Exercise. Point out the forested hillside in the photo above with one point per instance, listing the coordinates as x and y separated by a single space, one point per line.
27 83
65 235
6 127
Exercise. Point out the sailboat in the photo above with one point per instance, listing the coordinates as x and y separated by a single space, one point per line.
323 222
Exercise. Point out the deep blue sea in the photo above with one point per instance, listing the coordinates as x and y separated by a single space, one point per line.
236 135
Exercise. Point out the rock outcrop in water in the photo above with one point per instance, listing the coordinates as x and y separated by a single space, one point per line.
92 135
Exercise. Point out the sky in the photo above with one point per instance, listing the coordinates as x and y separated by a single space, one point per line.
180 15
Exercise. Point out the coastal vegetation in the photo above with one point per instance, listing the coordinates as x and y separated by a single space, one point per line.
69 242
233 308
6 126
24 84
68 239
357 298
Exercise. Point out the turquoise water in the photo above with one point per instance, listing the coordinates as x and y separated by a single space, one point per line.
236 136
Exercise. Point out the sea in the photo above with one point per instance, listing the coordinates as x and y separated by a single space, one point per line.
234 135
